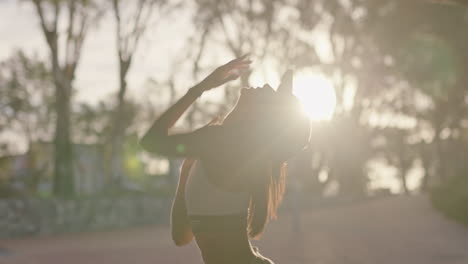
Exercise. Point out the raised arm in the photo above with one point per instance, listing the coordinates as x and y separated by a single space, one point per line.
157 139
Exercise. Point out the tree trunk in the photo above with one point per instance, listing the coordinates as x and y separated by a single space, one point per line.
441 170
63 175
426 158
118 133
426 176
404 183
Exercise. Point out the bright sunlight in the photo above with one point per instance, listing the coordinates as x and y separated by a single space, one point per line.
316 94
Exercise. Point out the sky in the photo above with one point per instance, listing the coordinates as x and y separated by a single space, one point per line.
97 73
96 76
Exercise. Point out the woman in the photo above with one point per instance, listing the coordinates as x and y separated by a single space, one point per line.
233 178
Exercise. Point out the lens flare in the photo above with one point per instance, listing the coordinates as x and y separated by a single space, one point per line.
316 94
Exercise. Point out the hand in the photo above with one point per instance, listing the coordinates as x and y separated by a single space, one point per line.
225 73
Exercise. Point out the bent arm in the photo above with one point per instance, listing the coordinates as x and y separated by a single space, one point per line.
157 139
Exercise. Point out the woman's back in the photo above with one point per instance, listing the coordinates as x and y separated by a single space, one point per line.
218 219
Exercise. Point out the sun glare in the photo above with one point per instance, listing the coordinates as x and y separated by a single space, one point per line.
316 94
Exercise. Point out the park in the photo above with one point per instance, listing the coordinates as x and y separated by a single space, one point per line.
247 131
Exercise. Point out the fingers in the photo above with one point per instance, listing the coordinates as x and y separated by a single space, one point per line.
233 69
239 67
215 119
244 59
231 77
240 61
286 82
244 56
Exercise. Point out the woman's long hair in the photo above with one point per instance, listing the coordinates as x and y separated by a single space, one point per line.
280 134
290 136
266 197
265 200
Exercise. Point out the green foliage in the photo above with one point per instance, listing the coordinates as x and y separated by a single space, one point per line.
26 98
452 198
430 63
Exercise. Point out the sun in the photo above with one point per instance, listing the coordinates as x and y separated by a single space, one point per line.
316 94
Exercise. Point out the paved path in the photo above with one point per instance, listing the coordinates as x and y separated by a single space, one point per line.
393 230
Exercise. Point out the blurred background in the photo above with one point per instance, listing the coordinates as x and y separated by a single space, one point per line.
383 82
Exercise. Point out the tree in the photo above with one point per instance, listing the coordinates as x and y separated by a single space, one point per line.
80 16
26 99
268 30
132 18
430 56
91 122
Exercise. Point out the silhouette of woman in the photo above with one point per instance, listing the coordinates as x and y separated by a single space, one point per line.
232 181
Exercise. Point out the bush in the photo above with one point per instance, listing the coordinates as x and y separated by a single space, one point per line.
452 198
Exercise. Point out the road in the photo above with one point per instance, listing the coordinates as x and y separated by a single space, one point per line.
391 230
